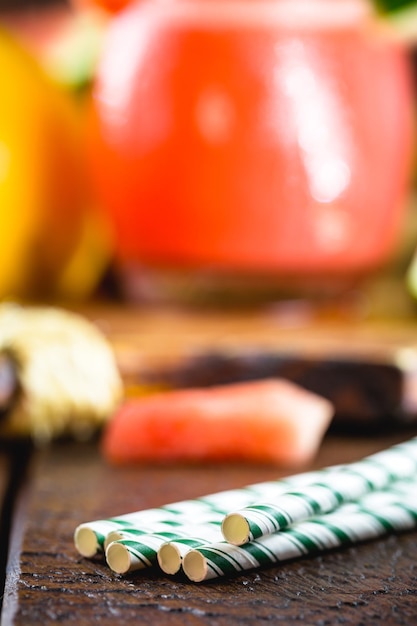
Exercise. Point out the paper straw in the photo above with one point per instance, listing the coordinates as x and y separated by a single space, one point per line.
171 553
90 537
134 533
137 549
337 485
375 515
130 555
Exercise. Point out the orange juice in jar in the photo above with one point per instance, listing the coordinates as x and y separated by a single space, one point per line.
252 138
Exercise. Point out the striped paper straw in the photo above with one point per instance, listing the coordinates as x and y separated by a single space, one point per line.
336 485
375 515
171 530
170 554
130 555
90 537
137 549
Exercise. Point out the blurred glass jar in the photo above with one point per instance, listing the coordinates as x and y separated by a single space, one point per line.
250 141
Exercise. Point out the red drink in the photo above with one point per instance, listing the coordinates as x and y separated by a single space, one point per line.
252 136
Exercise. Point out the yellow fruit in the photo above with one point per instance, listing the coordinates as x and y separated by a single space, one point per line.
41 176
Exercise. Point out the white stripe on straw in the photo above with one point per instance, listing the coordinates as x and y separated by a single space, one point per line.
373 516
336 485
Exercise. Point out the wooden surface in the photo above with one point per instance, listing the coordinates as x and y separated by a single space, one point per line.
47 582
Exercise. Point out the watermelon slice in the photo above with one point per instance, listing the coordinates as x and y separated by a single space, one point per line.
272 421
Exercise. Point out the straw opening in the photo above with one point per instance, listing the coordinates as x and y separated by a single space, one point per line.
169 558
86 542
118 558
113 535
195 566
235 529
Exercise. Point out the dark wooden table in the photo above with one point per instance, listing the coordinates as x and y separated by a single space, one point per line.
55 489
48 582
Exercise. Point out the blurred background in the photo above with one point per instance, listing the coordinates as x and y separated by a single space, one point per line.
223 152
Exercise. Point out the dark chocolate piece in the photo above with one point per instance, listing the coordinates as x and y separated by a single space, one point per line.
366 394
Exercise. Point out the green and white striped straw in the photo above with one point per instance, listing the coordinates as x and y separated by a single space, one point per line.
373 516
331 486
137 549
129 555
336 486
171 530
90 537
172 552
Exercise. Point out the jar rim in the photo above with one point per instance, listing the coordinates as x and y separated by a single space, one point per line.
299 14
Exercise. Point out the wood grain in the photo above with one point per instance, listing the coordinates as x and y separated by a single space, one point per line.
48 582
